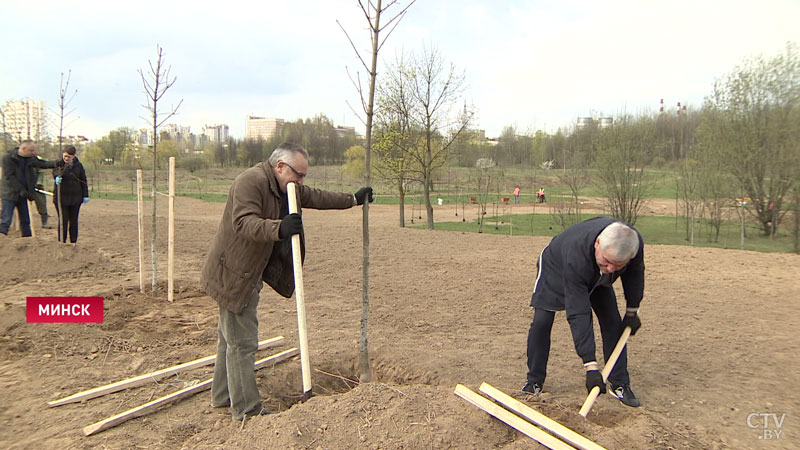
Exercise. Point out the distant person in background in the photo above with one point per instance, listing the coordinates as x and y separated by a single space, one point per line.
71 192
516 194
17 185
540 195
38 195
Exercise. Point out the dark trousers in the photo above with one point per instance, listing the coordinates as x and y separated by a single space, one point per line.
8 216
604 305
68 216
41 204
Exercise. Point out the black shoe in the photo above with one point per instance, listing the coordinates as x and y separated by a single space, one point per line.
532 388
625 395
262 412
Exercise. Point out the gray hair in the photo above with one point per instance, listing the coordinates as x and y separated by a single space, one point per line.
286 152
619 241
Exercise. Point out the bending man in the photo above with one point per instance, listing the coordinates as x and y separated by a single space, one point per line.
576 273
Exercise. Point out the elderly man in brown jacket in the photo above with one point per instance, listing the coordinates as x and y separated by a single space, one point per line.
253 246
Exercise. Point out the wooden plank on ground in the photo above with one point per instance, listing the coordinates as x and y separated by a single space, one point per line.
511 419
175 396
148 377
570 436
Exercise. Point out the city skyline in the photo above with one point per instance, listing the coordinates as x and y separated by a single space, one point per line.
531 64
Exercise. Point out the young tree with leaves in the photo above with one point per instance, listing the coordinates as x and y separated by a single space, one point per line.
751 124
425 94
622 154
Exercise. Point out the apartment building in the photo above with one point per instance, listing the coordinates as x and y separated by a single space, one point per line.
25 119
262 127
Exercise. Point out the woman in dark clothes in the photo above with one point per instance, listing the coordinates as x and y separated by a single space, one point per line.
71 192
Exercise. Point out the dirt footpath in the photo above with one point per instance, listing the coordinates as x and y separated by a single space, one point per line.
716 356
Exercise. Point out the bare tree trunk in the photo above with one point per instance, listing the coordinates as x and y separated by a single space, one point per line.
741 222
154 196
402 195
159 75
364 372
427 197
375 29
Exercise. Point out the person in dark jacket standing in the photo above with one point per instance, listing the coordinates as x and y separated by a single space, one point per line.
17 186
71 192
576 273
253 246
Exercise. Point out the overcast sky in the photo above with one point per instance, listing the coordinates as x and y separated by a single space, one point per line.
534 64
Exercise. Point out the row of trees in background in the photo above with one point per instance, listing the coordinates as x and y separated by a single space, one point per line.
744 143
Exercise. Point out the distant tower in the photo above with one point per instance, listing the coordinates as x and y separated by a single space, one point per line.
661 110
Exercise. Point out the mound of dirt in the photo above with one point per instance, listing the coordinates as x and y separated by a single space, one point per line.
27 259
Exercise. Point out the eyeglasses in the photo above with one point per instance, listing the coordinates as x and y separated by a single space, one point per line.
299 174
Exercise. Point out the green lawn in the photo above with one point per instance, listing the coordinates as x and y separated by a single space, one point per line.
654 229
213 184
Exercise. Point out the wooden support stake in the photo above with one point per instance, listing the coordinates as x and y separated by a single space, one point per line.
299 293
171 233
587 405
511 419
30 218
175 396
140 218
568 435
147 378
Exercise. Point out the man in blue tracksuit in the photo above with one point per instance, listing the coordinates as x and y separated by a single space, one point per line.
576 272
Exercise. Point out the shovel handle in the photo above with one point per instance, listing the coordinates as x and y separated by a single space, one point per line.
612 360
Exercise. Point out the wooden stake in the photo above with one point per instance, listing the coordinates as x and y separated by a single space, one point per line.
140 217
511 419
299 294
175 396
30 218
171 233
147 378
540 419
587 405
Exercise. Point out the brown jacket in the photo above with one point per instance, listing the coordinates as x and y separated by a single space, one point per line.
244 241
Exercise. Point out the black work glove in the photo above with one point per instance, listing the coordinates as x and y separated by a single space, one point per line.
631 320
362 194
39 187
595 378
290 225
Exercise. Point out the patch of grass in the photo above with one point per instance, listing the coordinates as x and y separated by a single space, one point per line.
113 196
214 198
660 230
209 197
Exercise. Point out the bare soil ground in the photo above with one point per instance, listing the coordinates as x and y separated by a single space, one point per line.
719 342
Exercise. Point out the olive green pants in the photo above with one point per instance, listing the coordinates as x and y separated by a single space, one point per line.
234 382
